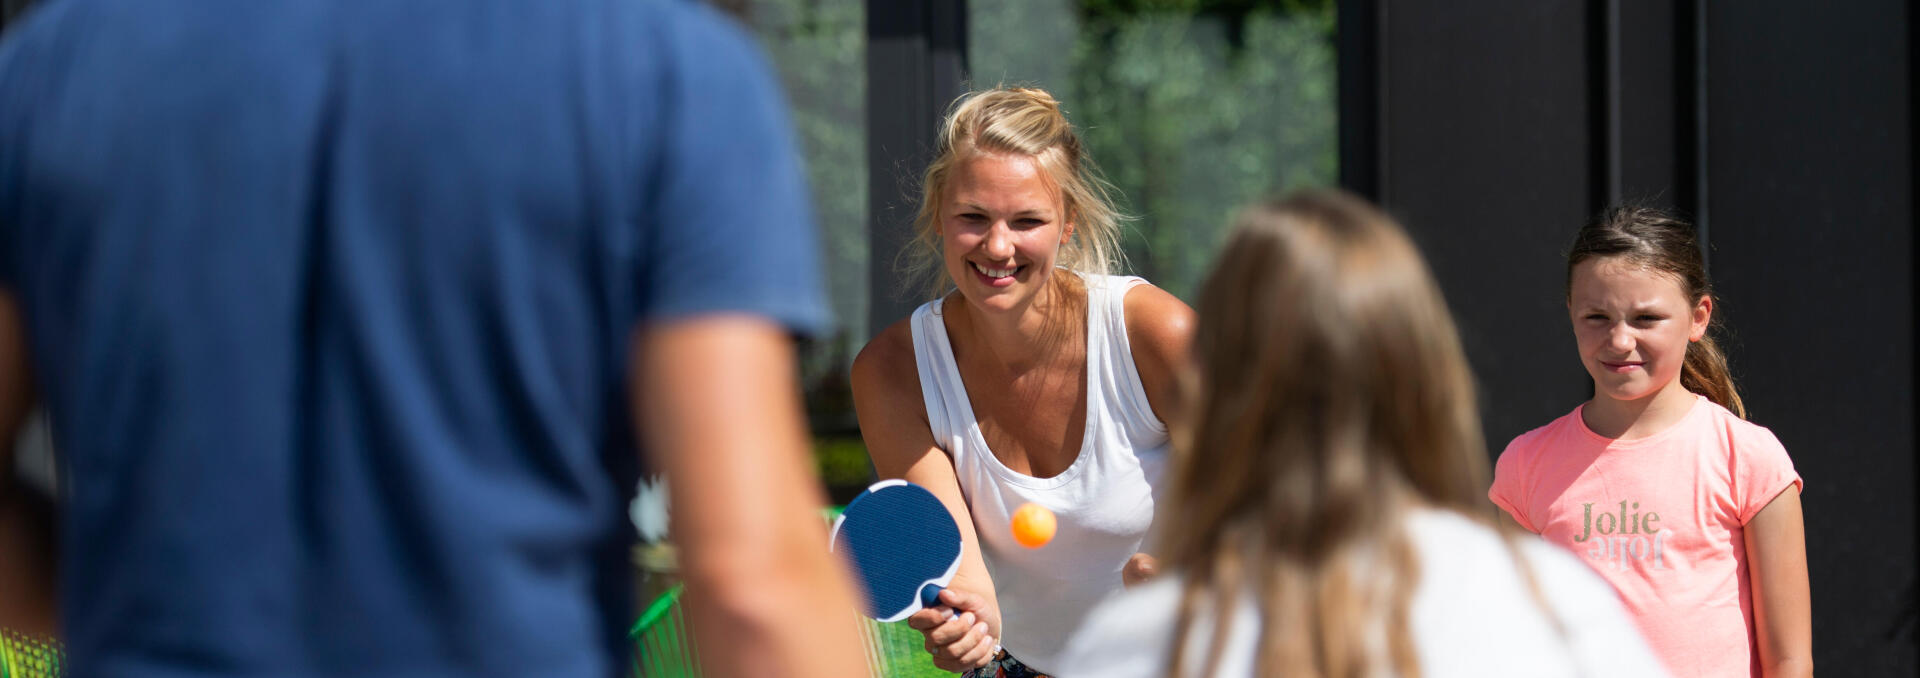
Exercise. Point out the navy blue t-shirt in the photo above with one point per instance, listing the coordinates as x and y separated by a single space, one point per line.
330 302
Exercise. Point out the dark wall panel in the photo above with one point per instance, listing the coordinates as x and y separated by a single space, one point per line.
1810 178
1485 142
1785 128
1652 61
916 66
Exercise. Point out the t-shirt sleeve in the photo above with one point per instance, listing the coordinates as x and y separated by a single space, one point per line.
1761 470
731 226
1509 483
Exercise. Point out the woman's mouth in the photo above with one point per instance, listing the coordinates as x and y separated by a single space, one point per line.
994 277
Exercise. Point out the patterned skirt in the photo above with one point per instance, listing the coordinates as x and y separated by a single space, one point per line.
1003 665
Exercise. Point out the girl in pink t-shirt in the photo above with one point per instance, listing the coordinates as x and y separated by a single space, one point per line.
1659 482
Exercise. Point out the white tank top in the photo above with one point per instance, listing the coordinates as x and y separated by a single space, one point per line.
1104 500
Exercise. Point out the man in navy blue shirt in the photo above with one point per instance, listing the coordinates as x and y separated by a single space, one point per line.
347 314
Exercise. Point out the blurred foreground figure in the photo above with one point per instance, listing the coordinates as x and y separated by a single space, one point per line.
348 314
1327 488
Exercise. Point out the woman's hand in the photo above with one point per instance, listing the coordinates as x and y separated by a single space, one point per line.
962 641
1140 569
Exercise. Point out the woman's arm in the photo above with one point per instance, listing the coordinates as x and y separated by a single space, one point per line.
893 421
1160 334
1777 573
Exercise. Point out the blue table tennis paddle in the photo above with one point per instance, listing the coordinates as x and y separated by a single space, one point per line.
902 546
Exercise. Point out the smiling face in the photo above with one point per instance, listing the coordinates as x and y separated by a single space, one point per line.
1633 325
1001 229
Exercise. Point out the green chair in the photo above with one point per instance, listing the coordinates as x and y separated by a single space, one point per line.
22 656
663 649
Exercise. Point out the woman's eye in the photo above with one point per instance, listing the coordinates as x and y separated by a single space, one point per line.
1648 319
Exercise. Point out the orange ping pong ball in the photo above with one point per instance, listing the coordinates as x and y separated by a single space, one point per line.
1033 525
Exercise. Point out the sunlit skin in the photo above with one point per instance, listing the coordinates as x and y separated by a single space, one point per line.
1633 325
1002 214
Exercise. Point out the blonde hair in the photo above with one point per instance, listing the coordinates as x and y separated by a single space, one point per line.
1332 396
1017 121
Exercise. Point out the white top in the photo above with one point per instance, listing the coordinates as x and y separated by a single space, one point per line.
1103 501
1471 616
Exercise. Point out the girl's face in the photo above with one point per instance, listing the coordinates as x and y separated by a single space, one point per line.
1633 325
1001 229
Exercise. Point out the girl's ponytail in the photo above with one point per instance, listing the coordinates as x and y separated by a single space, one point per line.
1705 372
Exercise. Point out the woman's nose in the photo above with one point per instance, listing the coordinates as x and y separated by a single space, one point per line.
999 243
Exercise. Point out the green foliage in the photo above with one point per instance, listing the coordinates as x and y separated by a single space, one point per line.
1232 10
820 49
1192 107
842 462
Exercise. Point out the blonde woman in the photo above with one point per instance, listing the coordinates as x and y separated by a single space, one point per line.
1327 490
1039 378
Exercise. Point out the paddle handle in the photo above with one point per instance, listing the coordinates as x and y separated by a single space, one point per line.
930 595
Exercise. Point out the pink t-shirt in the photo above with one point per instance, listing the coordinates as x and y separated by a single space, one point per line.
1661 518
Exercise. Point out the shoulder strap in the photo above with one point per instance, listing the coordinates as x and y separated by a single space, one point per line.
1107 297
944 394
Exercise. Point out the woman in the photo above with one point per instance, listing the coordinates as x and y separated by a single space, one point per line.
1039 379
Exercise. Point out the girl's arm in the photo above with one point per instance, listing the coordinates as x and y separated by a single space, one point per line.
893 421
1777 573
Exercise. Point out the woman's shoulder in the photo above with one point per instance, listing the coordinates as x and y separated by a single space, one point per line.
1459 552
1158 321
1128 634
1486 605
888 363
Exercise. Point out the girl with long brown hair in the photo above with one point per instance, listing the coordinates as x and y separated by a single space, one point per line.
1324 516
1659 481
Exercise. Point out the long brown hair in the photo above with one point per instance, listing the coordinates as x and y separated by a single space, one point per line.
1331 396
1657 240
